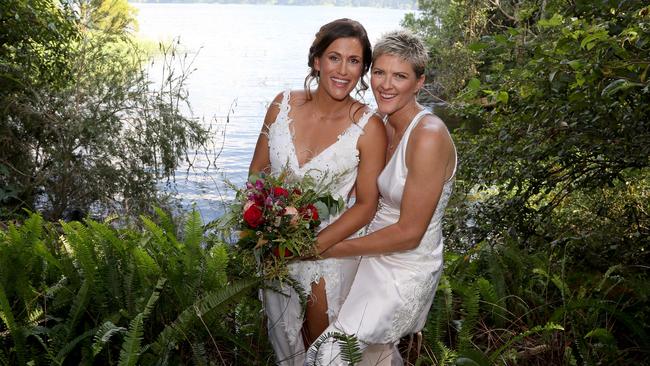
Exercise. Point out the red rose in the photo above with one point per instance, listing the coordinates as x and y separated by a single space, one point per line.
287 252
253 216
310 212
280 192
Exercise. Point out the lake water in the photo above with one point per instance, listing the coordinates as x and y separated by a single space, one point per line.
243 56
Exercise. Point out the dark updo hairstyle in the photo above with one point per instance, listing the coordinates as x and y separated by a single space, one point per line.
330 32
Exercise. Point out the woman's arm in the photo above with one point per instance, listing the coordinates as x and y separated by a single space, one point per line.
372 156
430 161
261 161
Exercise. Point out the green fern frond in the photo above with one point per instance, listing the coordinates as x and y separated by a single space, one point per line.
32 229
561 285
103 335
548 328
599 305
146 265
44 253
78 305
199 354
496 305
131 346
65 350
34 316
470 303
348 346
447 356
80 239
106 235
439 316
193 235
7 316
350 350
166 222
216 263
156 232
607 276
213 300
154 297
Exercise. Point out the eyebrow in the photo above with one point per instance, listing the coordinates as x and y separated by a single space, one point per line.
339 54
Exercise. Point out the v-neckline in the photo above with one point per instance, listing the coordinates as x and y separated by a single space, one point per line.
288 123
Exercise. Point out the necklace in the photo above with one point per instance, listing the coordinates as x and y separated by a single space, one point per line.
397 136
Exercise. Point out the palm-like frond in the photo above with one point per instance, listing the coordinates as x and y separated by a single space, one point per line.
350 351
104 334
212 301
131 347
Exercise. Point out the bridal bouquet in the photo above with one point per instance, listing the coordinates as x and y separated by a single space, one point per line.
277 217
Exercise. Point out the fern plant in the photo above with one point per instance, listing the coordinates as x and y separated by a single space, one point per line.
89 293
348 345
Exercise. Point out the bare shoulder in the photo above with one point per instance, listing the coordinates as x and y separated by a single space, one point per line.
431 134
298 98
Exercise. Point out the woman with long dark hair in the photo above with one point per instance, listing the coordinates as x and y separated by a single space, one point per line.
324 132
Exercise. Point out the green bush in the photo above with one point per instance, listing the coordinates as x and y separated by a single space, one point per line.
548 231
87 293
83 129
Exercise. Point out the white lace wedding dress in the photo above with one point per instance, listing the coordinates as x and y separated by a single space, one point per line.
392 293
340 160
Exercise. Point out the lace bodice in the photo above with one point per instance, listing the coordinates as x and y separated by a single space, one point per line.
337 163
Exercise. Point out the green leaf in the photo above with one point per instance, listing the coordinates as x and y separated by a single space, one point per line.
554 21
472 357
618 85
603 335
576 64
477 46
323 210
474 84
502 97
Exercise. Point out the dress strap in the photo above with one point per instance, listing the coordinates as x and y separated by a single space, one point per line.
284 106
415 122
453 172
363 121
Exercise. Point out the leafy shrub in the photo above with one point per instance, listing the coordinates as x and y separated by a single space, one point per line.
83 129
85 292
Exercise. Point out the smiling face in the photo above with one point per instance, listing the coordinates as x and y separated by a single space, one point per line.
340 67
394 84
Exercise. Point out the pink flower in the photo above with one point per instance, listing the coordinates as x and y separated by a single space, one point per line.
293 212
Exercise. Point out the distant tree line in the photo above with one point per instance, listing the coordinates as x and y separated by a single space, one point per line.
397 4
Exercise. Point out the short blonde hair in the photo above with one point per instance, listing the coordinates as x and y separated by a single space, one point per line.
405 45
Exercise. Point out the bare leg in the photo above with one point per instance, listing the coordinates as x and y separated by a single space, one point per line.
316 318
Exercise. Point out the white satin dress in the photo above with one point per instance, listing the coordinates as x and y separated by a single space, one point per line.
340 160
391 294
